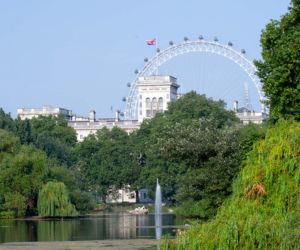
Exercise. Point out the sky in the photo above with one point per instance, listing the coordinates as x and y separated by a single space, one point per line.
81 54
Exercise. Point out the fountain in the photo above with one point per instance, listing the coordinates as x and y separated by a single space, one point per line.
158 216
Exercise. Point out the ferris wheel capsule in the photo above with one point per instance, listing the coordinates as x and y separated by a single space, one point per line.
128 84
157 50
136 71
124 99
243 51
146 59
230 44
200 37
171 43
185 38
216 39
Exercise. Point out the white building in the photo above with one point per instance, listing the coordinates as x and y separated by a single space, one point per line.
125 195
85 126
29 113
249 116
154 94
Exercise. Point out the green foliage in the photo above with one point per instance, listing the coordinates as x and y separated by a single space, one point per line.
280 68
6 122
22 171
16 202
7 215
195 106
9 144
263 211
249 134
24 131
105 160
82 201
195 152
54 201
53 136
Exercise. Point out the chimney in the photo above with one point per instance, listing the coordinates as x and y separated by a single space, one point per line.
92 116
117 118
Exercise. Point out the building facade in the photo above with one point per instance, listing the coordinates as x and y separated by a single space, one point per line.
249 116
29 113
154 94
85 126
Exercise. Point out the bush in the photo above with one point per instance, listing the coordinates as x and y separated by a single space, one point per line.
82 201
7 215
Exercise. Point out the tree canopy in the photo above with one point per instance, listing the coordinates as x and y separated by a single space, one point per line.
279 68
194 149
23 169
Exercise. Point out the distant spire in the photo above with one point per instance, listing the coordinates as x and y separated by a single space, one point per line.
247 101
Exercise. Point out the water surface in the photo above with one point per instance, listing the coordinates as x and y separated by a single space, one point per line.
102 226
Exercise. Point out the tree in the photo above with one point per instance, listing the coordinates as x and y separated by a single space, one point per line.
52 135
6 122
54 201
23 169
193 148
82 200
279 69
211 157
105 160
24 130
9 144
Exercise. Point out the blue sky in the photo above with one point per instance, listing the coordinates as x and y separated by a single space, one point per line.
80 54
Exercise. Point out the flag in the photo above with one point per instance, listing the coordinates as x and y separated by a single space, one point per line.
151 42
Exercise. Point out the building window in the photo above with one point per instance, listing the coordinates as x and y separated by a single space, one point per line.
168 96
160 103
148 113
148 104
141 97
141 104
154 103
141 112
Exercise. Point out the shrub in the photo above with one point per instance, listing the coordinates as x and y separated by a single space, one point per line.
7 215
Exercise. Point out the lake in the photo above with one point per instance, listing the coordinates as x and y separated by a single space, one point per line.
100 226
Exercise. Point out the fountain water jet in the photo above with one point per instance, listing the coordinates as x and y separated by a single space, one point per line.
158 216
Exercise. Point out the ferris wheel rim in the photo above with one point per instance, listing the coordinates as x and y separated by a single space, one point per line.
185 47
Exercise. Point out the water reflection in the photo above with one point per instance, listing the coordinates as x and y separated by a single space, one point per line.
100 227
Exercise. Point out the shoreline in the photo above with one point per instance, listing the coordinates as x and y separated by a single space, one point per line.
77 245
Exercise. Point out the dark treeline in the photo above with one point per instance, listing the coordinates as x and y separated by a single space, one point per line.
196 149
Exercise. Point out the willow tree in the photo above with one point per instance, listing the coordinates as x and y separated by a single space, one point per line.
263 211
54 200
